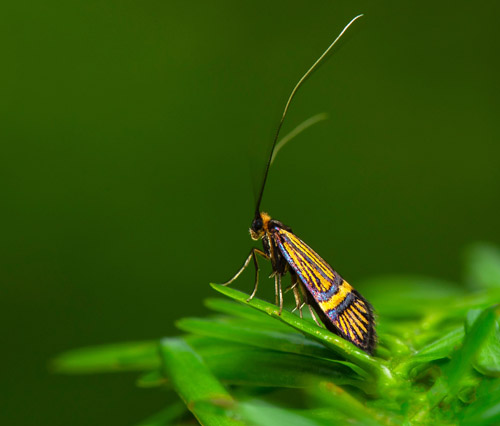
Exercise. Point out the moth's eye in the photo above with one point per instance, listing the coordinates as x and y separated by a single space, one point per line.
257 224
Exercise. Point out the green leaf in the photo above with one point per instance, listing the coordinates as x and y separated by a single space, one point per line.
166 416
245 312
238 362
335 343
482 266
439 349
460 366
263 414
487 361
247 332
486 409
327 416
202 393
133 356
152 379
339 400
244 365
258 367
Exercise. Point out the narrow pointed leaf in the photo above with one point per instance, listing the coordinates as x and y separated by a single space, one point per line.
242 311
152 379
200 390
354 410
439 349
133 356
244 365
485 411
258 367
166 416
487 360
264 414
248 333
450 384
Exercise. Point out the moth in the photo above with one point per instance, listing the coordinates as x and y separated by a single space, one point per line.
314 283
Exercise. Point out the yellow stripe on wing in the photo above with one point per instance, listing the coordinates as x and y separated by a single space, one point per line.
353 324
308 251
305 268
334 301
343 326
361 307
311 272
362 326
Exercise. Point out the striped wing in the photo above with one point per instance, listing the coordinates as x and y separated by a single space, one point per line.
350 314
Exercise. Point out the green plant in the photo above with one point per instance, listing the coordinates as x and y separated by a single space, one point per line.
438 359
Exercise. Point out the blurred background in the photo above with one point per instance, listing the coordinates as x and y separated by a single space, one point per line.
132 133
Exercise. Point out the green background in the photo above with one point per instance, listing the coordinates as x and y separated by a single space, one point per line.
131 134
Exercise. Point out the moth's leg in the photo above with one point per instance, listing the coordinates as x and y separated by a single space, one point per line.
306 297
276 296
278 292
253 254
256 252
278 276
313 314
293 284
299 304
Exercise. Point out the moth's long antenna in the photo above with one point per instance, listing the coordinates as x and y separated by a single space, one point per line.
304 77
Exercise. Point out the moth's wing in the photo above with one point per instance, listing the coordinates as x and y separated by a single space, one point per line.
342 306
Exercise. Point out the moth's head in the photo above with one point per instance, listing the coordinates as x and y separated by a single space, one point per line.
259 226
